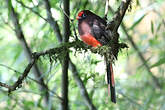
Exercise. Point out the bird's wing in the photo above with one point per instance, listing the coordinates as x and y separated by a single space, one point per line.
98 31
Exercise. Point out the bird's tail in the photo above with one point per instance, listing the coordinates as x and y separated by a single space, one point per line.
111 81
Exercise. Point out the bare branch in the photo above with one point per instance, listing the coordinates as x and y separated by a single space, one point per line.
129 99
9 68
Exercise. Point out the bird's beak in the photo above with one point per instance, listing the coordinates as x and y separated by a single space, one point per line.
78 17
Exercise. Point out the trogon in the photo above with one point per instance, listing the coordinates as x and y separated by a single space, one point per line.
93 32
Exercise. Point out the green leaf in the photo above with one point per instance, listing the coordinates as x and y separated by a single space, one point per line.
160 62
158 27
137 2
152 27
17 53
137 22
30 0
95 61
9 8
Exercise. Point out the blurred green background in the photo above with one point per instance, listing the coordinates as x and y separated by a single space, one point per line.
144 24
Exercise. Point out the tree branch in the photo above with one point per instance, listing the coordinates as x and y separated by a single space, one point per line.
18 83
52 22
65 61
138 51
120 14
78 80
23 76
35 56
8 86
4 85
155 79
21 38
80 84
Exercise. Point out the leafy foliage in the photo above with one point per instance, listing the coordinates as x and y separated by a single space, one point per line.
135 87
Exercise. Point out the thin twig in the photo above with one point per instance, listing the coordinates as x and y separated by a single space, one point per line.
9 68
129 99
31 9
7 23
71 20
18 83
51 91
4 85
7 86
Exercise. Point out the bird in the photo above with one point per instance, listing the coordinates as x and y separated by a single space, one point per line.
93 32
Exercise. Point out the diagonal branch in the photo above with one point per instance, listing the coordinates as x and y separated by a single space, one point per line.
21 38
80 84
155 79
52 22
23 76
120 14
19 85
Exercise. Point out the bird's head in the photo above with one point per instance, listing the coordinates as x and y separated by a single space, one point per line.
83 14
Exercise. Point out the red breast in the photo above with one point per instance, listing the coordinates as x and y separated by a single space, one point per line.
90 40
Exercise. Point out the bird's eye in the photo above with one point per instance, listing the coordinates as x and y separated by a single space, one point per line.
83 15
